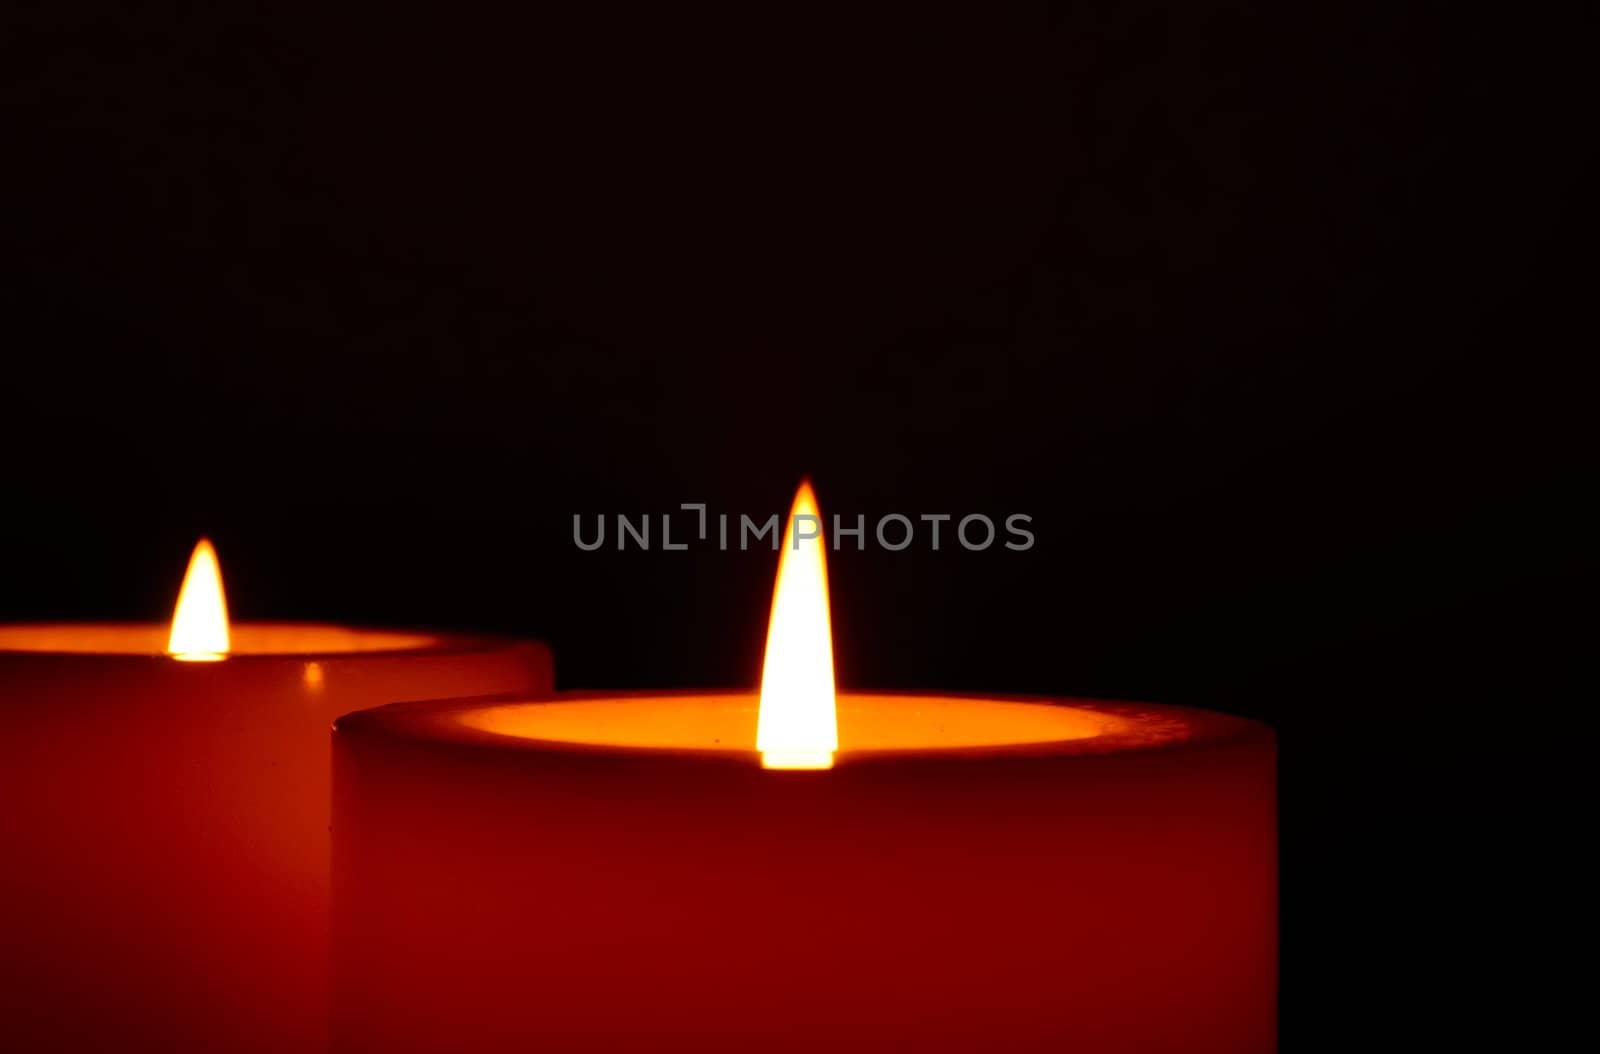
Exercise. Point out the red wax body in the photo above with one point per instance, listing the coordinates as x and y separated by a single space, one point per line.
498 891
164 832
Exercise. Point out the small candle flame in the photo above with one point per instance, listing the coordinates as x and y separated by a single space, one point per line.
200 621
798 725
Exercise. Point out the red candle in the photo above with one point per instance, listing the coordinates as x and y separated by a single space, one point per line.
165 832
803 871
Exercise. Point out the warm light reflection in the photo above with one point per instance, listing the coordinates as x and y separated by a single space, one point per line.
868 724
200 621
797 727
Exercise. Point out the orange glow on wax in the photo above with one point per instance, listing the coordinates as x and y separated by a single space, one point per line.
797 726
200 621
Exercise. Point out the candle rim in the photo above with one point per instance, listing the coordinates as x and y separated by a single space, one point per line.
423 641
1174 728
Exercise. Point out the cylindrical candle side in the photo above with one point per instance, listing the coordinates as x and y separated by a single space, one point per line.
166 833
1091 896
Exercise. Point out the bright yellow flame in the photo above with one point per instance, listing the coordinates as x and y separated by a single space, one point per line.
798 727
200 621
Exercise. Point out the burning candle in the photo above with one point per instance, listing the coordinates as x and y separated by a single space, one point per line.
166 821
803 870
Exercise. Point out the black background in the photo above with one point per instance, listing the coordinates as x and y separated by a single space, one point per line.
1258 314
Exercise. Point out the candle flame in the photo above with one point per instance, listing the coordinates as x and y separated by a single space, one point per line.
798 725
200 621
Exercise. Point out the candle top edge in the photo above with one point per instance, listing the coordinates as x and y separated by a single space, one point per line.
107 641
872 726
